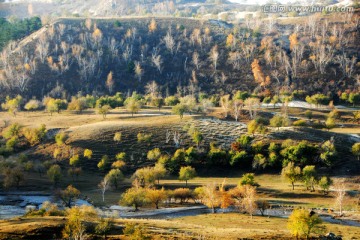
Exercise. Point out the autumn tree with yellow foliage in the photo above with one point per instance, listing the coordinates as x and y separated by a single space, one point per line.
293 40
257 72
152 26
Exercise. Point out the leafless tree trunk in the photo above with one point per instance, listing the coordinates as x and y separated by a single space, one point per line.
297 55
104 185
225 104
214 56
157 61
237 106
248 52
64 62
113 48
61 29
177 139
321 57
340 192
346 64
312 25
33 66
357 80
253 104
152 89
249 200
276 75
223 78
235 60
268 57
270 24
127 53
168 136
138 71
77 51
169 42
42 48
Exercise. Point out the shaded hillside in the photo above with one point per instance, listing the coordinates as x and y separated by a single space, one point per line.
185 56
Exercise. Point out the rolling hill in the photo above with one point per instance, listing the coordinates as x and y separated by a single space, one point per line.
185 56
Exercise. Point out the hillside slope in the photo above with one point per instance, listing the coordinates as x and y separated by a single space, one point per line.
182 55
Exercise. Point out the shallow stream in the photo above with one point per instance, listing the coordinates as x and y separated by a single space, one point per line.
15 205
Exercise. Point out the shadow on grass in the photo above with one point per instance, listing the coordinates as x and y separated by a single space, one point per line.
292 195
285 202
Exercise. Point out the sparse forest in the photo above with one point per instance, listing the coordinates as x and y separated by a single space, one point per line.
187 57
110 126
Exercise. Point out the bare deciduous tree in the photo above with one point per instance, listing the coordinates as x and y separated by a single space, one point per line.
223 78
177 139
113 47
253 104
248 51
152 89
61 29
237 106
249 199
195 37
214 56
157 61
87 68
225 104
42 48
196 60
127 53
312 24
169 42
104 185
168 136
357 80
322 55
138 71
235 59
77 51
64 62
211 196
340 192
346 64
88 23
64 47
296 57
22 81
110 82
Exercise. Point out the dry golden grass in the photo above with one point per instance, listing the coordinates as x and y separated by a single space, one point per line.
355 130
211 226
206 226
68 119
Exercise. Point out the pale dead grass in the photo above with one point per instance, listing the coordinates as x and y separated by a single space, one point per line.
346 130
28 224
68 119
206 226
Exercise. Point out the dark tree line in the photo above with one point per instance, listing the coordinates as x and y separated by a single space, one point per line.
17 29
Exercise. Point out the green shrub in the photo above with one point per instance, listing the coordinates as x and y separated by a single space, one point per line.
60 138
248 179
171 101
143 137
300 123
